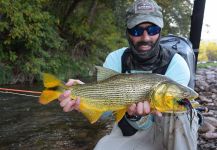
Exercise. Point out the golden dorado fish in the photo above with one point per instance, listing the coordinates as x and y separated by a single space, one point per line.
115 92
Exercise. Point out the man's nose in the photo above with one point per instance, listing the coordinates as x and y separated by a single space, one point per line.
145 36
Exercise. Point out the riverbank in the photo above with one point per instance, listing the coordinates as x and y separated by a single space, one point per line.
206 86
32 123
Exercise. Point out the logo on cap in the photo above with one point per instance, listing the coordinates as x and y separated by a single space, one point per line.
144 7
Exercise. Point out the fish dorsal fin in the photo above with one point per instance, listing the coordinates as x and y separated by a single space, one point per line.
104 73
50 80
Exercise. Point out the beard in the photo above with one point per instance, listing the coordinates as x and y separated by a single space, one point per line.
143 43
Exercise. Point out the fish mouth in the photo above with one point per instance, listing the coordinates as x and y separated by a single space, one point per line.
186 103
194 95
182 101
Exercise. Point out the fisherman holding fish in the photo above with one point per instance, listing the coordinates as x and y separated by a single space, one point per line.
141 128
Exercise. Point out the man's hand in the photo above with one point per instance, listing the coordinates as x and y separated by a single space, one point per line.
141 109
66 102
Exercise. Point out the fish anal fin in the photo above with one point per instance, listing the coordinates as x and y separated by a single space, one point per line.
91 113
119 114
50 80
48 96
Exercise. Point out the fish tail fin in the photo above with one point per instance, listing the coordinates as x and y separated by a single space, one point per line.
48 96
51 81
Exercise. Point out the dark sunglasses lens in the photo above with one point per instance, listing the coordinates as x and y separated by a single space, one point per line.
153 30
138 31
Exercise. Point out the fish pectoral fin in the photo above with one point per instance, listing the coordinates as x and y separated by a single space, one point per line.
48 96
119 114
91 113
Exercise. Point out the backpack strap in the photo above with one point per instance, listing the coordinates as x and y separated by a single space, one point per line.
124 67
161 70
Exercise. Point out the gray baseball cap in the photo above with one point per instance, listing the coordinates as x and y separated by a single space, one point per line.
144 11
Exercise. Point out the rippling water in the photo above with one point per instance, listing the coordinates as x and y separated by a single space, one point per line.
25 124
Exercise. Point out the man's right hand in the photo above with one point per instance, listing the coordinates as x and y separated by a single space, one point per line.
142 109
66 102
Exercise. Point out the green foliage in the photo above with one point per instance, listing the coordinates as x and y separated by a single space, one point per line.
68 38
5 74
212 51
91 32
202 52
29 38
207 65
176 16
208 51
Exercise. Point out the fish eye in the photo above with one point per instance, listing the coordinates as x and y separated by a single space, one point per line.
185 94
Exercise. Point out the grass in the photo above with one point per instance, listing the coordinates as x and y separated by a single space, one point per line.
207 64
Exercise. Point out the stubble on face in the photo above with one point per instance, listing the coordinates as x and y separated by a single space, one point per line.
145 42
143 46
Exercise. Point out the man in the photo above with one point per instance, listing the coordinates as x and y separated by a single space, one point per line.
140 128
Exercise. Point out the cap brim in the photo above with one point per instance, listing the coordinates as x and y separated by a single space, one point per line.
144 18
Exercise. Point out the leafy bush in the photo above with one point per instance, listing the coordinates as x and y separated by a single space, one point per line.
212 51
29 39
68 38
207 51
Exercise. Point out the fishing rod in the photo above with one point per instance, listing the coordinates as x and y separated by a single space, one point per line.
19 92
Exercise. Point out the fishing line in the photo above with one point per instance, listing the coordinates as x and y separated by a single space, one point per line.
7 92
21 91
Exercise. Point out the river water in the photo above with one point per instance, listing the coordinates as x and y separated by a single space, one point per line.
26 124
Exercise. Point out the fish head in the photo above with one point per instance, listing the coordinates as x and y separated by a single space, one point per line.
179 91
167 94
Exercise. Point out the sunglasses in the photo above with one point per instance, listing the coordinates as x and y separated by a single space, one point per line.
138 31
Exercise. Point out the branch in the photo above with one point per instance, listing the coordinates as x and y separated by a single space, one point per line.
70 9
92 12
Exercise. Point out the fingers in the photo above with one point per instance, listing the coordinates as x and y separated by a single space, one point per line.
132 109
142 108
147 107
65 99
73 82
65 95
159 114
67 103
77 103
64 102
71 105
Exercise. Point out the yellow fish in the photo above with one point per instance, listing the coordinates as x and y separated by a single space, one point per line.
114 92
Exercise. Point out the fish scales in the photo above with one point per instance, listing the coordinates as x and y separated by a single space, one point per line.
115 92
118 90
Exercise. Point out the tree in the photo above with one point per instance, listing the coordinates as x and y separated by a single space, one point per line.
28 39
176 16
208 51
69 37
212 51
